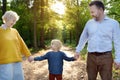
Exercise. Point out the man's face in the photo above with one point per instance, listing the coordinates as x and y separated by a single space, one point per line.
95 12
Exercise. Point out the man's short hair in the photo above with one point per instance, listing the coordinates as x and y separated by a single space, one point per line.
99 4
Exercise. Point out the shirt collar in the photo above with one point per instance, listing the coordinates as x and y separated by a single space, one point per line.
106 17
3 26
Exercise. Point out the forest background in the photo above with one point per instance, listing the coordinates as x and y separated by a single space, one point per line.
44 20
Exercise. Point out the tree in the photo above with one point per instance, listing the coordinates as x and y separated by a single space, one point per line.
77 14
42 30
35 7
113 9
4 2
25 24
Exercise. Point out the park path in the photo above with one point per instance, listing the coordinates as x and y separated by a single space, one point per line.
74 70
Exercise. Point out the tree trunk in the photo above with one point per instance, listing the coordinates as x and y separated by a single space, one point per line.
35 24
70 33
4 6
77 23
42 24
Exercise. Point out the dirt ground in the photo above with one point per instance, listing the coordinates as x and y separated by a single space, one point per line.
75 70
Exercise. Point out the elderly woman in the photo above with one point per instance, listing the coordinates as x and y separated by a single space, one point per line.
12 49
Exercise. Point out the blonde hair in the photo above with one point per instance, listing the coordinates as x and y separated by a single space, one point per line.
10 15
57 43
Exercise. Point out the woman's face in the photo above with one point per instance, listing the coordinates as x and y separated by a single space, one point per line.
10 22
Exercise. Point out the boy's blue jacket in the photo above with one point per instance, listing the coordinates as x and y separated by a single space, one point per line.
55 61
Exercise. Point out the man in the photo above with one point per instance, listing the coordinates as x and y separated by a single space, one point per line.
100 32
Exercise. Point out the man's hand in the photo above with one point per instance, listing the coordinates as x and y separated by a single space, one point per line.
117 65
76 56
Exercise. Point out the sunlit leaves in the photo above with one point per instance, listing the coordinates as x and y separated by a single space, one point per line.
114 10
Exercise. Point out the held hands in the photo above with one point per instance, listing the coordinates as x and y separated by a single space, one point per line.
117 65
30 58
76 56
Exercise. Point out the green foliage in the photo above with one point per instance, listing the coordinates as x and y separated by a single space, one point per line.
114 10
76 16
84 52
24 24
116 74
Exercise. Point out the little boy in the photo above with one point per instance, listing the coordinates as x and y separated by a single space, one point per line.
55 60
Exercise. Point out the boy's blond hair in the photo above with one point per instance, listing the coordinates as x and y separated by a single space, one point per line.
10 15
57 43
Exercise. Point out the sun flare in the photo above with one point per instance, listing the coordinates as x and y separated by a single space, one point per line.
58 7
